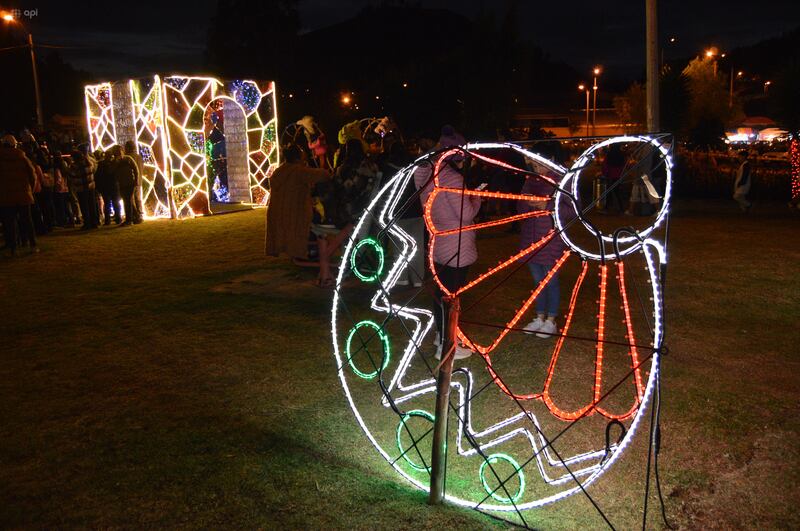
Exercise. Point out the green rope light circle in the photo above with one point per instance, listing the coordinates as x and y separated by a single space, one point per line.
494 458
384 341
403 419
378 251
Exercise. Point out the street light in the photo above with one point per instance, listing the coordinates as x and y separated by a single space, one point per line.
596 73
710 53
582 87
8 17
766 86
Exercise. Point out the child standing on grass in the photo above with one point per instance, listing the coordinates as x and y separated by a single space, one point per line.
543 260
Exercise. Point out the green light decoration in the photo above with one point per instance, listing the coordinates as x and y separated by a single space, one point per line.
492 459
403 419
378 251
384 341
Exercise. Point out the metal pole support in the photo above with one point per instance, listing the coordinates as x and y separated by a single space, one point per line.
451 308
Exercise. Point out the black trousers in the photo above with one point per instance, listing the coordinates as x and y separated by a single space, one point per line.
44 200
88 202
452 278
614 195
130 205
18 226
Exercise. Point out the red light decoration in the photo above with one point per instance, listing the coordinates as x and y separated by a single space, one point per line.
486 350
794 162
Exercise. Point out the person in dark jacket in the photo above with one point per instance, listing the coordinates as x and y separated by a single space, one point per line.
45 197
82 180
613 167
108 188
17 179
126 174
64 215
410 220
131 151
542 261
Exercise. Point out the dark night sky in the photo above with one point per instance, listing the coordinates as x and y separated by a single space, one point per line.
164 36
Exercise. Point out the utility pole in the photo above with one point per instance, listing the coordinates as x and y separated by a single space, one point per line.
651 21
730 92
596 72
39 118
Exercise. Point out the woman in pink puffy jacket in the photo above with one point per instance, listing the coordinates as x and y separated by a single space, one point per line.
454 253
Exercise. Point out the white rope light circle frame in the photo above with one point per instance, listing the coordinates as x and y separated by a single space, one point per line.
572 179
381 208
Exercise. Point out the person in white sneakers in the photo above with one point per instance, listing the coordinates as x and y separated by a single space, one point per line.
532 230
454 253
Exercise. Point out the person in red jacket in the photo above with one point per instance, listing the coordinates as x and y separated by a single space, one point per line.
17 179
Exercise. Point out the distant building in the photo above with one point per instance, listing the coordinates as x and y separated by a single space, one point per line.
572 122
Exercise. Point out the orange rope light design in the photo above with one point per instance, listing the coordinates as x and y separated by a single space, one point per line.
434 232
546 398
507 166
496 222
485 350
492 195
601 332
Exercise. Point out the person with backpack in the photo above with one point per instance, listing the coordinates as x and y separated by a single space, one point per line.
126 174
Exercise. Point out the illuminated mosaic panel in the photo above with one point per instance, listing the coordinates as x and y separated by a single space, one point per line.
170 117
151 142
100 116
186 102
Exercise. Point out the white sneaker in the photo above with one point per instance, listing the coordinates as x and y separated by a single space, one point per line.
460 354
416 283
402 282
548 329
534 326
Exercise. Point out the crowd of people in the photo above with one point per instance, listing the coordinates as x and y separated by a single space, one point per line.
315 203
41 190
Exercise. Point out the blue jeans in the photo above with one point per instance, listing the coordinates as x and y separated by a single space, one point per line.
549 298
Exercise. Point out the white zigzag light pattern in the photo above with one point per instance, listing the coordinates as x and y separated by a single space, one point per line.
525 425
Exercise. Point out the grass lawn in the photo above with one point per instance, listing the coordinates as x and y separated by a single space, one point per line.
169 375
